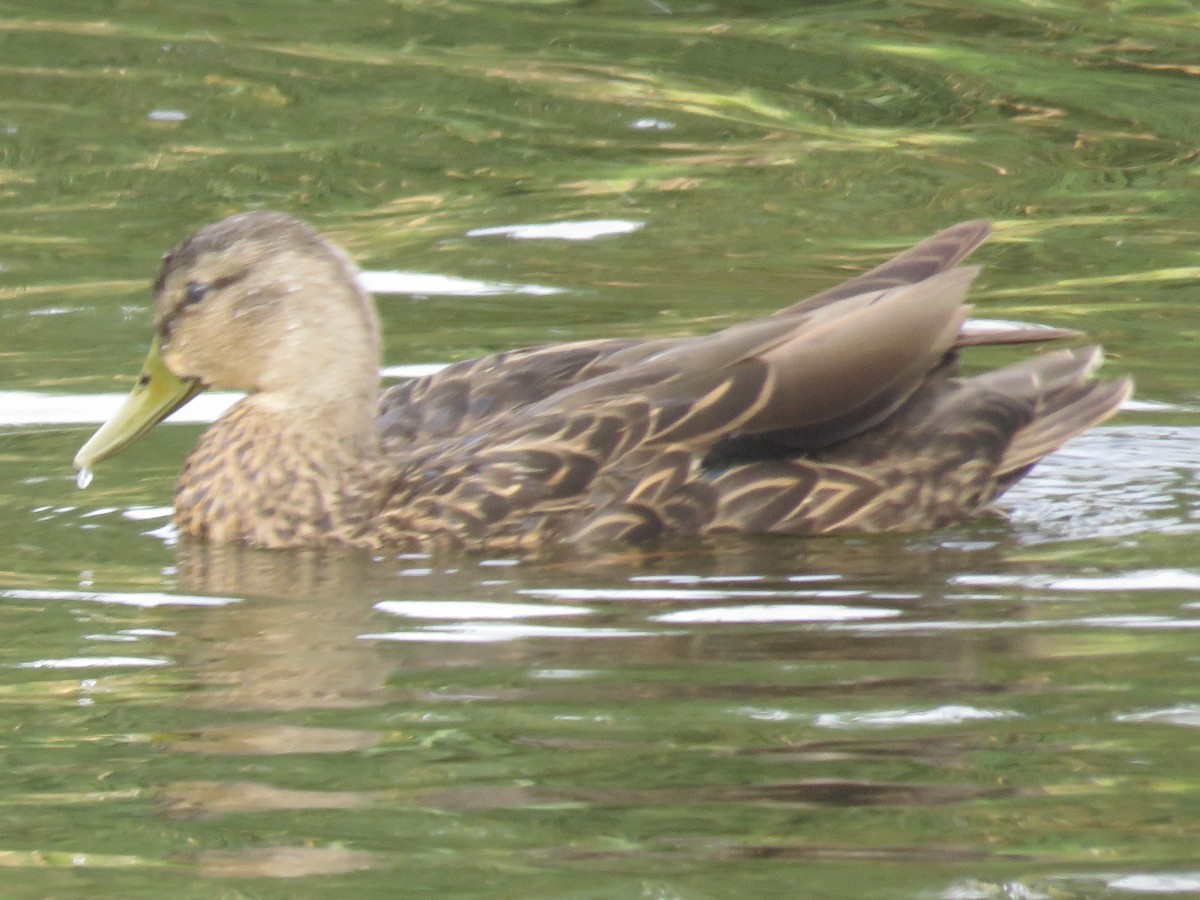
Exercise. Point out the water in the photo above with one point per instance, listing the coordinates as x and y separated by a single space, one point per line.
1006 709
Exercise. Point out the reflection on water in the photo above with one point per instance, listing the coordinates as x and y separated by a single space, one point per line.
293 643
691 703
1006 709
1119 482
561 231
280 862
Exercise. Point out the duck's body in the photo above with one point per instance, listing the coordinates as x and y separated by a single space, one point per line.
840 413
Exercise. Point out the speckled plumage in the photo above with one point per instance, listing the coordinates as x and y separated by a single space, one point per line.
840 413
255 477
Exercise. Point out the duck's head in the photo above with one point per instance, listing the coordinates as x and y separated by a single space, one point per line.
258 302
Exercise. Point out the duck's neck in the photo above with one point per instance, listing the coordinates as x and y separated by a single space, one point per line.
277 474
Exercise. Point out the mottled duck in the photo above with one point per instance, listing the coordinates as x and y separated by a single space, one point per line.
843 412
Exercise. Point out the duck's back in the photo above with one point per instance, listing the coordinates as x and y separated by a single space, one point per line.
841 412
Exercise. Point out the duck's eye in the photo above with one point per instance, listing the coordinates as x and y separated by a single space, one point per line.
194 292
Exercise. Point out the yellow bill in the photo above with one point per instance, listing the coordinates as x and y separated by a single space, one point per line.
157 394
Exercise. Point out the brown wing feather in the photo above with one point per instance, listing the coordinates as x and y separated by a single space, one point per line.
934 255
840 412
464 396
835 371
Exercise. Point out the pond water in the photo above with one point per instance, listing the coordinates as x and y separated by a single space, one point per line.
1006 709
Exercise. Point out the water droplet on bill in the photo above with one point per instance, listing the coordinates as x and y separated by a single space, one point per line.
84 478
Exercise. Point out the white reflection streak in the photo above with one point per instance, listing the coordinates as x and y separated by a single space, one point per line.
470 609
422 284
1186 714
941 715
560 231
487 632
681 594
145 600
33 408
19 408
1144 580
94 662
732 615
1164 623
1159 883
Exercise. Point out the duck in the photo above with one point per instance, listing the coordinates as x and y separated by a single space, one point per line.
844 412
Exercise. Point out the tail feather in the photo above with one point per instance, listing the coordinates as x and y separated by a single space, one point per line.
1065 410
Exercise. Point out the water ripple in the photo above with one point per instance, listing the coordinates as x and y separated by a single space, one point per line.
474 609
142 600
493 632
560 231
779 613
941 715
93 662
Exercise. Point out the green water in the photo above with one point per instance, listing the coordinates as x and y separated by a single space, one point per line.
1008 709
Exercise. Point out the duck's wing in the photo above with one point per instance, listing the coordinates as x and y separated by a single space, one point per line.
816 379
822 376
934 255
948 453
467 397
463 397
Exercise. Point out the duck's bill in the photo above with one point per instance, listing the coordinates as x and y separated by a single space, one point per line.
157 394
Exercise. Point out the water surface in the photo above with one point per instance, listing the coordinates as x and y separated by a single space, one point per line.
1006 709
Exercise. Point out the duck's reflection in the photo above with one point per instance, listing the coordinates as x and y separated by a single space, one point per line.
293 641
293 651
296 641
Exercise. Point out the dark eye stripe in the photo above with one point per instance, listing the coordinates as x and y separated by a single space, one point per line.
232 278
